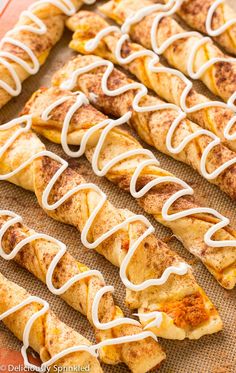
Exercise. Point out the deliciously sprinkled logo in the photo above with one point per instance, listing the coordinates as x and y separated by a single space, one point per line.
55 368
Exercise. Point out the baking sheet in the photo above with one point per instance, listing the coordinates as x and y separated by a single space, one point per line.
210 354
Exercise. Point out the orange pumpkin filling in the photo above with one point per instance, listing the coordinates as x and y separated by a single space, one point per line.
188 312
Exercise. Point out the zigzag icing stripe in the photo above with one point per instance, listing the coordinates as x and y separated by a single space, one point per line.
93 350
187 190
66 6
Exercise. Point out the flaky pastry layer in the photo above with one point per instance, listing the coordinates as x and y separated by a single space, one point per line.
219 78
37 256
220 261
48 335
166 85
152 256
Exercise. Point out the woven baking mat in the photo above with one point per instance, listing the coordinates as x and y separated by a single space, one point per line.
210 354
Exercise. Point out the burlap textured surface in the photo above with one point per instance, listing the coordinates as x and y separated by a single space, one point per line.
210 354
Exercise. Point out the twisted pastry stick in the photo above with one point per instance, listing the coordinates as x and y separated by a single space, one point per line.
159 124
61 117
189 52
31 321
83 289
26 47
126 240
213 17
168 83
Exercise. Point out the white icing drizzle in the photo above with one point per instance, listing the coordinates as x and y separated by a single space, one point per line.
154 59
27 330
176 4
89 2
187 190
93 350
69 84
39 28
209 18
180 269
157 319
86 186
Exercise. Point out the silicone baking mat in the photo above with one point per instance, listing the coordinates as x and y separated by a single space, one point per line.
210 354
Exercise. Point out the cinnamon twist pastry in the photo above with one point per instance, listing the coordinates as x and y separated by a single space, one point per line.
220 261
189 52
83 293
158 124
168 83
125 239
26 47
48 335
212 17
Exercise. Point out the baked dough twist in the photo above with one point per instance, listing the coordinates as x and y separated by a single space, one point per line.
45 16
187 311
36 257
49 336
194 13
166 84
220 78
221 261
154 126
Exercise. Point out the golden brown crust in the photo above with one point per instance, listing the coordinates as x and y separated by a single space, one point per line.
194 13
37 256
54 20
43 338
152 127
118 141
151 258
167 86
220 78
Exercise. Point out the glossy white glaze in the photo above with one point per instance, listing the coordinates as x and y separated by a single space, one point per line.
70 84
14 218
38 28
107 126
154 60
167 10
209 17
